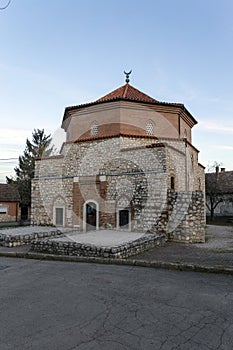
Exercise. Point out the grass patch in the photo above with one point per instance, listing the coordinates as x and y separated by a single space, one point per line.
8 226
223 251
220 220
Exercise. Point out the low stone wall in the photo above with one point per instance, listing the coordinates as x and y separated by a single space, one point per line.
14 240
144 243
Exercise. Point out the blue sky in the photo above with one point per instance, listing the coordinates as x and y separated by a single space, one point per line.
58 53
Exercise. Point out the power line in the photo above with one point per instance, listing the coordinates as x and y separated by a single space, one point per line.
2 159
5 7
5 173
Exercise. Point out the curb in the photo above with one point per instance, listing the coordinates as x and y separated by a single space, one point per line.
127 262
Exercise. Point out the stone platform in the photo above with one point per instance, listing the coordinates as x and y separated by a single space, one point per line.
17 236
102 243
68 241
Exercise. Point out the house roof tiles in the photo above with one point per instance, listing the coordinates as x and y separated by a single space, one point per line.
224 179
9 193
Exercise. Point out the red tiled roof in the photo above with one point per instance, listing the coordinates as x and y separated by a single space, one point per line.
9 193
127 92
50 157
93 138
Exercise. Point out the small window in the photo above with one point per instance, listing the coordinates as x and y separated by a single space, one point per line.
192 160
149 128
172 183
3 209
94 129
59 216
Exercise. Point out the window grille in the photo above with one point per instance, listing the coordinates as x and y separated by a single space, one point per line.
94 129
149 128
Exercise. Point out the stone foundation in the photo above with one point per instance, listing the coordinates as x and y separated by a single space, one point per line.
14 240
49 246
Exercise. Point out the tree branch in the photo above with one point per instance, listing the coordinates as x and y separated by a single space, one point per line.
208 206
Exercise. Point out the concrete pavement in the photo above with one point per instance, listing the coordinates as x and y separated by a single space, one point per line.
60 306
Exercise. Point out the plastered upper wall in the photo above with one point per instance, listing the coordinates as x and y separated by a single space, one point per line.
127 117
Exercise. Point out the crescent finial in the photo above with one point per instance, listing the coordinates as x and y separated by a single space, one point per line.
127 76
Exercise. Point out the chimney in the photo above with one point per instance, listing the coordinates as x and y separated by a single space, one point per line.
217 170
223 170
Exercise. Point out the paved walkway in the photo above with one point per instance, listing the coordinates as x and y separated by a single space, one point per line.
216 252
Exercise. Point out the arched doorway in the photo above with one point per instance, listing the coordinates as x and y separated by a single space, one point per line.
91 221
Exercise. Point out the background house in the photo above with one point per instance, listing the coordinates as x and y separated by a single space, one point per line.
9 203
219 192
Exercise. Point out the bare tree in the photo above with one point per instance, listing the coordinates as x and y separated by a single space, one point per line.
214 194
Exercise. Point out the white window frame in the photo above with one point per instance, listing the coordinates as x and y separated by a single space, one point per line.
118 218
4 212
54 215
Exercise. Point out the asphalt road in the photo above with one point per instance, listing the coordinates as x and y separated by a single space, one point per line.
67 306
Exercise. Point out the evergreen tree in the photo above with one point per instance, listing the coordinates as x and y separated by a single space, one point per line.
38 147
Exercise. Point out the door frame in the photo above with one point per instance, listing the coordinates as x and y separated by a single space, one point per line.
118 218
85 214
54 215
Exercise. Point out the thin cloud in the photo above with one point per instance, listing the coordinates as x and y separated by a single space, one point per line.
227 148
14 136
214 127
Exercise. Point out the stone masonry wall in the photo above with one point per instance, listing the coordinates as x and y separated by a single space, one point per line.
124 172
184 219
47 193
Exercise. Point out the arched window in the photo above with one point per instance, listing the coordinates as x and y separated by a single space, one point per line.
172 182
192 160
185 133
149 128
94 129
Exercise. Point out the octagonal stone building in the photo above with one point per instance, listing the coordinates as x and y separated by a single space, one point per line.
128 164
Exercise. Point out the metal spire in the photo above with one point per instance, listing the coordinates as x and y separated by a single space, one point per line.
127 76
